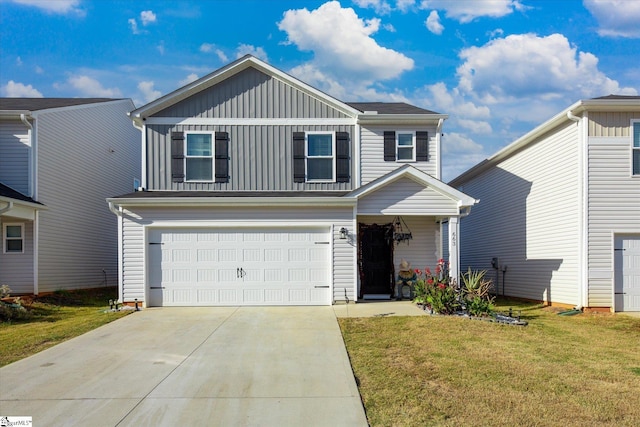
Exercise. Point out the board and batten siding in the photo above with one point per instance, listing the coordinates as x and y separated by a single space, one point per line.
260 158
529 217
136 219
372 152
406 197
86 154
15 151
422 251
613 203
16 269
251 94
610 124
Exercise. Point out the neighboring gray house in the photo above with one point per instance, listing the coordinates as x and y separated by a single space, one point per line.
258 189
560 208
59 159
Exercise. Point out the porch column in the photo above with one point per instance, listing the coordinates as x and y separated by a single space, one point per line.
454 248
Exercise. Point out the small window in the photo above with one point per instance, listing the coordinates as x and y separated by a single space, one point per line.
405 147
635 149
320 157
199 157
13 238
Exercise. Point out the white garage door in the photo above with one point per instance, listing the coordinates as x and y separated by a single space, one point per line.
627 273
243 266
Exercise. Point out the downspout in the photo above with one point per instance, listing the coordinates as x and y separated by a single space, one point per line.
23 119
582 190
7 208
32 192
118 213
438 150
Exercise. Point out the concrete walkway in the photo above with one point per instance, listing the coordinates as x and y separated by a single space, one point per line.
249 366
381 308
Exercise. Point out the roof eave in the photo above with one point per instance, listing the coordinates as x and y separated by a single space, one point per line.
234 201
400 119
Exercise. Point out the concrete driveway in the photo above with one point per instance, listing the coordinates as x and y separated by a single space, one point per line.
248 366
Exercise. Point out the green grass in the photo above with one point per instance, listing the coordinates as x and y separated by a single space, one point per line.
55 318
448 371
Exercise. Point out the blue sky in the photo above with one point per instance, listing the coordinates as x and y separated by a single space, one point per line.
497 67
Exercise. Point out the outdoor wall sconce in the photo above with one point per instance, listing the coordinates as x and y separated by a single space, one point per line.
344 233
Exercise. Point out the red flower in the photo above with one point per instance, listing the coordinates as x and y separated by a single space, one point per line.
442 286
430 281
418 272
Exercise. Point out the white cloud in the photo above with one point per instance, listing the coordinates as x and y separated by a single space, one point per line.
160 47
19 62
454 142
475 126
148 92
467 11
88 86
61 7
405 5
381 7
342 43
528 66
147 17
441 99
190 78
389 27
247 49
208 48
38 70
18 90
617 18
133 25
433 23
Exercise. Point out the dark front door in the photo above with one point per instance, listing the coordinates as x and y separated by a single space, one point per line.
375 254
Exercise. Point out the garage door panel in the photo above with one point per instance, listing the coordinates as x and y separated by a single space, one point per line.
627 273
239 266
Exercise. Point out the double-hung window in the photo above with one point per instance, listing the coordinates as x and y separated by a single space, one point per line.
199 157
320 156
405 146
635 149
13 235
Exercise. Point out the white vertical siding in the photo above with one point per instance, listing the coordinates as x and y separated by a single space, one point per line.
85 155
16 269
613 207
372 161
135 220
406 197
529 216
15 150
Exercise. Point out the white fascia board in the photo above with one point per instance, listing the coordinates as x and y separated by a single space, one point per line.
37 113
14 114
400 119
23 203
235 201
206 121
228 71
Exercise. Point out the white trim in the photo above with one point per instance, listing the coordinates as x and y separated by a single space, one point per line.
235 201
356 177
143 160
333 156
438 149
206 121
120 255
5 238
36 253
412 146
633 149
212 156
583 191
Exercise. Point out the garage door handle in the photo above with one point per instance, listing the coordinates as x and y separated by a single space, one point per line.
620 293
156 243
619 249
156 287
321 286
321 243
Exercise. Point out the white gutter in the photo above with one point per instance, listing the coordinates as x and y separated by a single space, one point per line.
438 148
7 208
232 201
113 209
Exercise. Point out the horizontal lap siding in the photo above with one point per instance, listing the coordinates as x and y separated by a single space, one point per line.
260 158
85 155
406 197
614 206
529 217
15 148
134 249
372 152
251 94
16 269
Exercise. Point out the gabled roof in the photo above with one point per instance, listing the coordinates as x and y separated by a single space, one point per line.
35 104
408 171
9 193
228 71
609 103
389 108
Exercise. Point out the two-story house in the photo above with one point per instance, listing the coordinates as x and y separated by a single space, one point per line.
560 210
59 159
258 189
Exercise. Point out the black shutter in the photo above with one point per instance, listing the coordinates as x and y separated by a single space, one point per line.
222 157
389 146
422 146
342 157
298 157
177 156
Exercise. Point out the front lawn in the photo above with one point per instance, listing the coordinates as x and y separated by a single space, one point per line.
55 318
448 371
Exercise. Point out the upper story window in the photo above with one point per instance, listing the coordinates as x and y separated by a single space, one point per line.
199 157
635 149
406 146
320 157
13 238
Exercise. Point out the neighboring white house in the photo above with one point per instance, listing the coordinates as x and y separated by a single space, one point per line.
560 209
258 189
59 159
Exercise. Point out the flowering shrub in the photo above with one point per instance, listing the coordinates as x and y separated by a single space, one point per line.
442 294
